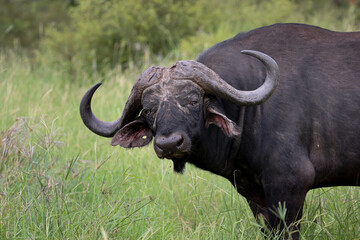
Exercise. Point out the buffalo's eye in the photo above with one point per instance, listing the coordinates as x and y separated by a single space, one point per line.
192 103
147 111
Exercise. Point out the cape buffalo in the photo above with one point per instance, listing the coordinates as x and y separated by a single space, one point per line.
273 139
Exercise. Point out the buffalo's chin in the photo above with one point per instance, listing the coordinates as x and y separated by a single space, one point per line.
179 160
179 165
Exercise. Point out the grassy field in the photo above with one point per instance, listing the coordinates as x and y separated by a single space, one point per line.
60 181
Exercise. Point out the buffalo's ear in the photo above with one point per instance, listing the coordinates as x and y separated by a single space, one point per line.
134 134
215 115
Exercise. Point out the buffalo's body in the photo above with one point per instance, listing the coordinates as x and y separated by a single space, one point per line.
305 136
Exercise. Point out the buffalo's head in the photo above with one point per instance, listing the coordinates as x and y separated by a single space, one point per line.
175 105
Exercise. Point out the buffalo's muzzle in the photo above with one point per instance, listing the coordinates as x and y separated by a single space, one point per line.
175 145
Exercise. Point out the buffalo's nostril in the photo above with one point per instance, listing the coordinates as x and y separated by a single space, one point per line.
160 142
180 141
170 142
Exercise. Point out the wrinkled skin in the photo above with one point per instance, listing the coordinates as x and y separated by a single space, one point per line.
305 136
179 115
166 110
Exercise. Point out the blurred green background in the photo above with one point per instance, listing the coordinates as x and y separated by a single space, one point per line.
98 35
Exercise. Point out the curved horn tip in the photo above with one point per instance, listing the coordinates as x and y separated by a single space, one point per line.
246 51
266 59
96 86
97 126
252 52
91 91
85 99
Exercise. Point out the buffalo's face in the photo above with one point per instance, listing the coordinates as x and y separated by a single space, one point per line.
176 105
176 114
173 112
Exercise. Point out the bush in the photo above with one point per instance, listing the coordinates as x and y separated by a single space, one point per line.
107 33
22 21
98 35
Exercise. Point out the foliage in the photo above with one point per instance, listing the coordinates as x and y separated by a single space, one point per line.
98 35
22 22
106 33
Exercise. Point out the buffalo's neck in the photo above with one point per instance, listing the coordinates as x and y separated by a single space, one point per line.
230 157
222 155
213 153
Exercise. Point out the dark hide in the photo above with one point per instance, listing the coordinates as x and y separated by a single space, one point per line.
307 134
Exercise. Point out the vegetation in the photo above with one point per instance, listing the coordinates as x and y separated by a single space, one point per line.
60 181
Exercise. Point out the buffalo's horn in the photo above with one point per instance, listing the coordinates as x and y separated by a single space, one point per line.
131 109
213 84
105 129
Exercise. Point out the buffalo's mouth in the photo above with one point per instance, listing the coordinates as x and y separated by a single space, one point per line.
179 165
175 146
175 156
179 160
